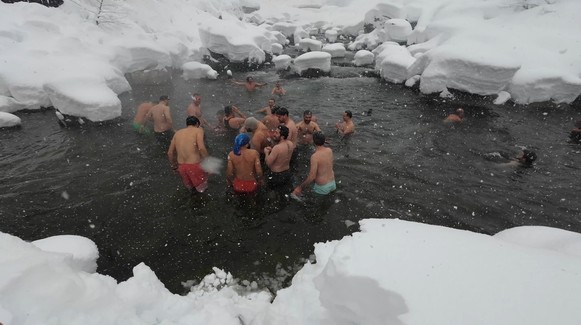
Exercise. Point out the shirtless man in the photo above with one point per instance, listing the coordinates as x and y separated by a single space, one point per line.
306 128
278 90
233 119
244 171
321 171
456 117
140 117
525 158
268 109
575 134
196 110
250 84
188 145
162 121
283 118
260 134
278 159
346 127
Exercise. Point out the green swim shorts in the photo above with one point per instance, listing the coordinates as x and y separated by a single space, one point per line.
326 188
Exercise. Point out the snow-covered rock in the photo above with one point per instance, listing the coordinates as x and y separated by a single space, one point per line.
313 60
331 35
392 61
502 98
398 29
363 57
277 49
369 41
9 120
87 98
81 253
282 62
308 44
337 50
197 70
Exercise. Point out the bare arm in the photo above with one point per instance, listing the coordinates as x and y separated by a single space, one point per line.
270 155
257 166
230 170
171 154
236 110
238 82
316 127
168 115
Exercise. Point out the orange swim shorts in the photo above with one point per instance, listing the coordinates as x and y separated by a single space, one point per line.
193 176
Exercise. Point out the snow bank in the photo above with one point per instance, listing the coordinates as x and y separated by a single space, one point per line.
554 239
392 61
313 60
282 62
10 105
197 70
9 120
398 272
308 44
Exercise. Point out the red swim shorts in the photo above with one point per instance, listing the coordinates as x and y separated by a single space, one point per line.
193 176
241 186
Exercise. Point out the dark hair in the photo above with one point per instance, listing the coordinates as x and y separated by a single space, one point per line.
228 110
282 111
529 156
307 112
192 120
162 98
283 131
196 95
274 109
319 138
274 100
348 112
248 78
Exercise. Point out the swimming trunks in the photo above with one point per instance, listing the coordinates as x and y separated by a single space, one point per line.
326 188
193 176
140 128
274 179
241 186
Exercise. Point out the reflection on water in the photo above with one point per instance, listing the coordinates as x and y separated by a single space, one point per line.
115 187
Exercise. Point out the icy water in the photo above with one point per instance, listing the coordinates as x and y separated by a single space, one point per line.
109 184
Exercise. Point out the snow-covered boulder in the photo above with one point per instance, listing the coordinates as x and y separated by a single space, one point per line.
337 50
398 29
363 57
9 120
308 44
277 49
392 61
81 252
87 98
197 70
313 60
282 62
369 41
331 35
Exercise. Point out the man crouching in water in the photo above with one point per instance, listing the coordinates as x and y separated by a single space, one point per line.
189 146
321 171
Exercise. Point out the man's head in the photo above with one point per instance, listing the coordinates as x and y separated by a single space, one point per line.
347 115
319 138
197 98
274 109
228 110
460 112
282 114
250 124
271 103
192 120
307 116
283 132
249 79
527 157
241 140
164 99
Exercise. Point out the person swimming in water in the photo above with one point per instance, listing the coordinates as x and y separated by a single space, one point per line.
456 117
278 90
525 158
233 119
575 134
250 84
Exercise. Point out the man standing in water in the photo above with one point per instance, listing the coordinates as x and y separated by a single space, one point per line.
321 171
268 109
195 109
250 84
244 170
278 158
456 117
140 117
162 122
283 118
188 145
346 127
306 128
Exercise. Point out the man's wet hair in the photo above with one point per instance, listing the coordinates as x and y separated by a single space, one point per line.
274 109
319 138
228 110
196 95
249 78
192 120
283 131
307 112
348 112
282 111
274 100
529 157
162 98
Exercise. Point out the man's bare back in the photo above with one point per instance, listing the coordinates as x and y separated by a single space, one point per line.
278 157
141 112
189 146
245 167
161 116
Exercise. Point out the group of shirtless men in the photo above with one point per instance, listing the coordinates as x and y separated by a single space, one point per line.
270 144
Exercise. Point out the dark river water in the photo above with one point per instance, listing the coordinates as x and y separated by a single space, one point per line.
114 186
